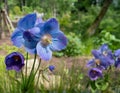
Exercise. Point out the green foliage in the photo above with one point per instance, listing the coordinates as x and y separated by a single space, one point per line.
16 10
73 48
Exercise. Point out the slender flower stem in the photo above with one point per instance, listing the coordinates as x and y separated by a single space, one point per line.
32 70
38 78
26 64
39 75
35 71
23 79
38 67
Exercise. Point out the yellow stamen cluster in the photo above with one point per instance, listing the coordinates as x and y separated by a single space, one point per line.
46 39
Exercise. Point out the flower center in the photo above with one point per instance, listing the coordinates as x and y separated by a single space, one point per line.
94 72
27 36
46 39
16 58
105 53
97 61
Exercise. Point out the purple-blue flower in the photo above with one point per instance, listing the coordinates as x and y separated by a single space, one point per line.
95 73
51 67
14 61
103 57
117 58
51 39
27 32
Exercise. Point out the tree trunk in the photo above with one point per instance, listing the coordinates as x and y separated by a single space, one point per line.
91 30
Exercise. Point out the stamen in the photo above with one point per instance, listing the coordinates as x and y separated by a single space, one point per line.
105 53
46 39
97 61
94 72
16 58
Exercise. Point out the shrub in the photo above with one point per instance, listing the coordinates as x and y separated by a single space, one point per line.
73 48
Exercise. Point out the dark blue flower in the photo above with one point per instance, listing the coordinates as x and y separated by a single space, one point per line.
51 39
94 73
103 57
51 67
117 58
27 33
14 61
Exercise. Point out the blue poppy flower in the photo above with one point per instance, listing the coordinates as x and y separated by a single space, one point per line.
95 73
51 39
27 33
103 57
117 58
14 61
51 67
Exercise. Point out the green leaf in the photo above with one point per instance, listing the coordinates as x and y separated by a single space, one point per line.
93 86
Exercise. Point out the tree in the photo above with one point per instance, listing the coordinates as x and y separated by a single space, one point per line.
92 29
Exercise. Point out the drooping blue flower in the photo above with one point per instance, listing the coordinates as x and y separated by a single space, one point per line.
117 58
27 33
51 39
95 73
51 67
103 57
14 61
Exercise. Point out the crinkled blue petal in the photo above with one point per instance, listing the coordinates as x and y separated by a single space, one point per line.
32 34
104 47
44 52
30 44
117 53
91 63
105 61
35 32
31 51
59 41
96 53
27 22
50 25
17 37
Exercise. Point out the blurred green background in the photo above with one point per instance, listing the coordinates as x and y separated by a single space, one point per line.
75 18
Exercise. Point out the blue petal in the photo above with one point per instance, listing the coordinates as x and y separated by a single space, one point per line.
32 35
50 25
105 61
91 63
36 33
38 21
17 37
30 44
44 52
117 53
96 53
59 41
31 51
104 47
27 22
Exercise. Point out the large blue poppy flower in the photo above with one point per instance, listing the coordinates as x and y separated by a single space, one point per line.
51 39
14 61
117 58
27 33
103 57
